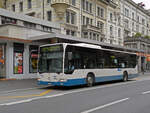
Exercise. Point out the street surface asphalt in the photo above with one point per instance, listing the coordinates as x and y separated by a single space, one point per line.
113 97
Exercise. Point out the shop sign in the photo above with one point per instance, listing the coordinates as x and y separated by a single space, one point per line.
34 55
141 54
148 58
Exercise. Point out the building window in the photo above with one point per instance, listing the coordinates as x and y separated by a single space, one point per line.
143 30
29 4
13 7
111 30
70 32
102 13
70 17
91 37
47 29
49 15
18 58
126 23
91 21
6 20
29 25
21 6
98 11
126 12
67 17
94 36
90 7
132 26
138 19
73 2
48 1
87 20
119 20
133 16
67 32
143 21
87 6
83 4
119 32
100 25
83 20
33 58
137 28
111 17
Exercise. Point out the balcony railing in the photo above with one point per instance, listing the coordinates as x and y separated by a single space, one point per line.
60 2
135 39
91 27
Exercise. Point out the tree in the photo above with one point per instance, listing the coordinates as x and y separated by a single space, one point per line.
137 35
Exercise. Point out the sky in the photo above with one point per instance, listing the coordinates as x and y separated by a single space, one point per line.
146 2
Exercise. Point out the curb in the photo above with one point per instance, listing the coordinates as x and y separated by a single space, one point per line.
5 79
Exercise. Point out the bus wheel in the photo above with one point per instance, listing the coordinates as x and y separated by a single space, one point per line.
90 80
125 76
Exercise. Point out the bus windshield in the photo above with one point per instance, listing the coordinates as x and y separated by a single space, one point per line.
51 59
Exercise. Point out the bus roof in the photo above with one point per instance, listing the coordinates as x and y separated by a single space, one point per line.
84 45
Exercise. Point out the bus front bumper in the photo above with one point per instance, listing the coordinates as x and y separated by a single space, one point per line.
70 82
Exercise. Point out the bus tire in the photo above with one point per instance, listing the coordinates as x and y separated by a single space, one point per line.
125 76
90 80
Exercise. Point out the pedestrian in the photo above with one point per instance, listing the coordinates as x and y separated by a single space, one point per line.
142 69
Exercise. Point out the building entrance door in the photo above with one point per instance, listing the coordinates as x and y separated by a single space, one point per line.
2 61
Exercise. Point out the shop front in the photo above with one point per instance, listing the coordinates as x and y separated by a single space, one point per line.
18 60
2 60
148 62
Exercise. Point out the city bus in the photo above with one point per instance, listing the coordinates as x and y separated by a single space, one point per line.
66 64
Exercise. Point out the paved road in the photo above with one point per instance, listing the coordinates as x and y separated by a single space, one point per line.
129 97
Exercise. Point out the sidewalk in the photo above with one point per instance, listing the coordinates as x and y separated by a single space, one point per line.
145 74
6 85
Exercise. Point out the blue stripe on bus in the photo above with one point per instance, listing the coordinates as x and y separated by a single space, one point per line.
82 81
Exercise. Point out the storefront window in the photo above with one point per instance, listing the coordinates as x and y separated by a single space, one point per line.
2 61
18 58
33 59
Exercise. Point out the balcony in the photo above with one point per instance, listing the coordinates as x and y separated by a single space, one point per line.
137 39
127 29
60 7
91 28
70 26
53 2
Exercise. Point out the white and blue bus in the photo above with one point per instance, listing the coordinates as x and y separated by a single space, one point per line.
66 64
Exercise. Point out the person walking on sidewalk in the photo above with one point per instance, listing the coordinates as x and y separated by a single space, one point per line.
142 70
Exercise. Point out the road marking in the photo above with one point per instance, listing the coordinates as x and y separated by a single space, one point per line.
45 92
76 91
147 92
26 96
29 100
104 106
17 102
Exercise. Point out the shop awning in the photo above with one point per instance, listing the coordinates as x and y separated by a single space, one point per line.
4 38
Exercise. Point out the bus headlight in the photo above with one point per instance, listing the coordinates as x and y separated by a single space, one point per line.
62 80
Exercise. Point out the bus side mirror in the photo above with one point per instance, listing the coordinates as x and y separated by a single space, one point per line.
69 55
